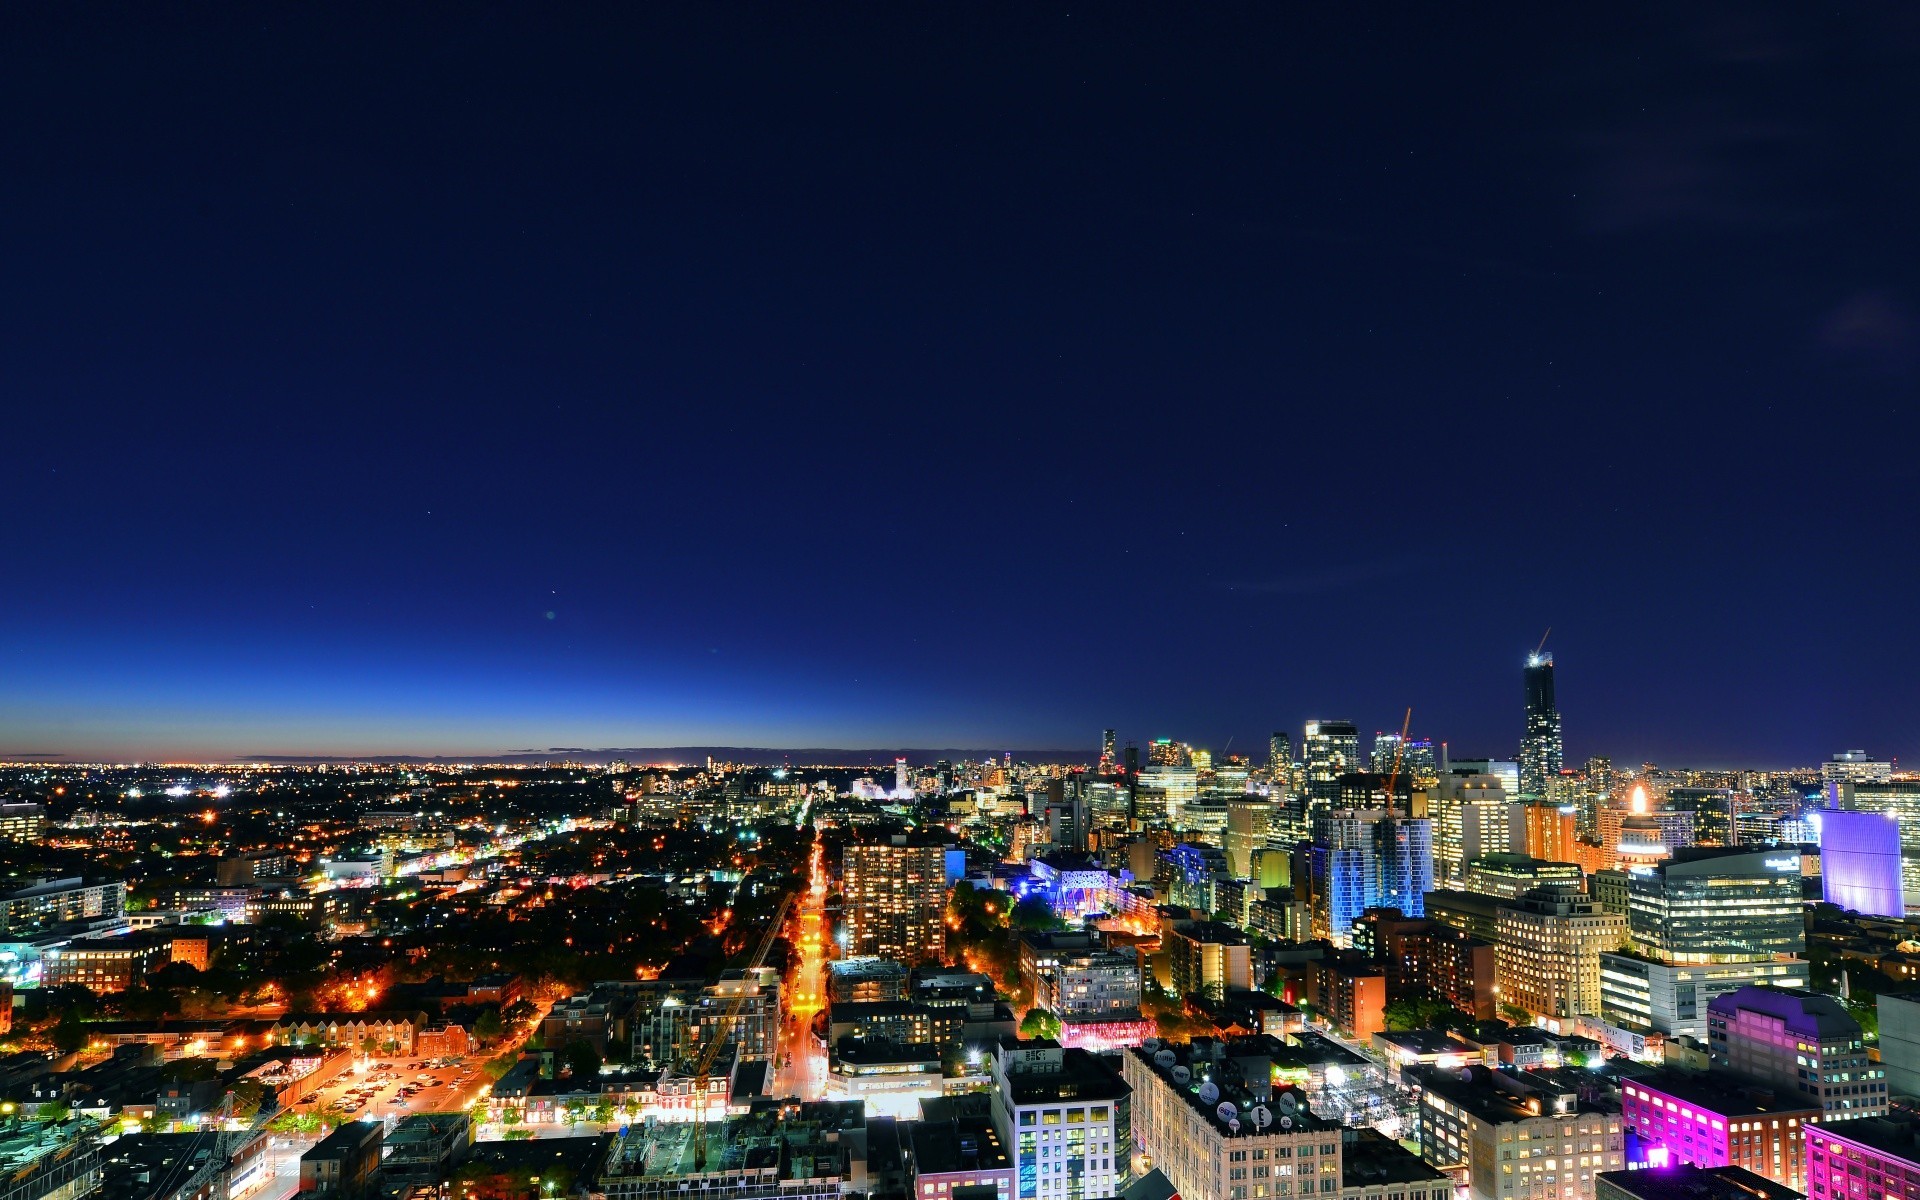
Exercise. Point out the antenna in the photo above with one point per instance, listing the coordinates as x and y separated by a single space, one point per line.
1543 641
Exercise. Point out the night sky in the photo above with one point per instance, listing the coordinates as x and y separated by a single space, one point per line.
478 378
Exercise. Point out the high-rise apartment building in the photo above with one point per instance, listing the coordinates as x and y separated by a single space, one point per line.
1206 958
1368 858
1547 957
1280 760
1249 827
896 898
1470 815
1541 753
1801 1043
1510 876
1331 749
1109 759
1165 752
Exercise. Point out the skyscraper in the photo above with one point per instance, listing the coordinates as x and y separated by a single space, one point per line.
1540 749
1367 858
1107 759
1280 758
1332 750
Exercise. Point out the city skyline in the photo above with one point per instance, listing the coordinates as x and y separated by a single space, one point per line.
655 375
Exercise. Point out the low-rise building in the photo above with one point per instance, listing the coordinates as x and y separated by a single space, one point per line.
1715 1121
1208 1115
345 1162
1515 1138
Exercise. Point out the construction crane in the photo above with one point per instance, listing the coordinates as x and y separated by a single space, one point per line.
723 1029
1399 752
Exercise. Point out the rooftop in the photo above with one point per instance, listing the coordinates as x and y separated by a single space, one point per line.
958 1144
1721 1095
1816 1016
1368 1156
1697 1183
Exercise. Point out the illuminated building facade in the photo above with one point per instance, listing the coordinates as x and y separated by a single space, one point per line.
1860 863
1368 858
1680 1118
1899 800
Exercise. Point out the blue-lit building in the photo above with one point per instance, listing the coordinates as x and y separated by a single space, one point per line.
1368 858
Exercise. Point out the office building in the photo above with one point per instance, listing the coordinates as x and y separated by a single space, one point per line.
1860 862
1541 752
1472 913
1209 1115
1331 749
896 898
1510 876
1718 906
1109 760
1855 766
1800 1043
1644 995
22 822
1515 1137
1548 952
1067 1117
1712 1121
106 964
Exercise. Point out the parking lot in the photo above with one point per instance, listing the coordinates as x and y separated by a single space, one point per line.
396 1085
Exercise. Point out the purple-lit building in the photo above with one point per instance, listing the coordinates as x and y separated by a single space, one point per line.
1673 1117
1860 862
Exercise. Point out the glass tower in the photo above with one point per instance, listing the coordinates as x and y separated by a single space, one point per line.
1540 749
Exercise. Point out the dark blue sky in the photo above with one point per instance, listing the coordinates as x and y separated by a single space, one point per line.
471 378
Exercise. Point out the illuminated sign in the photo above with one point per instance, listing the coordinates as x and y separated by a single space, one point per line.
1782 864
